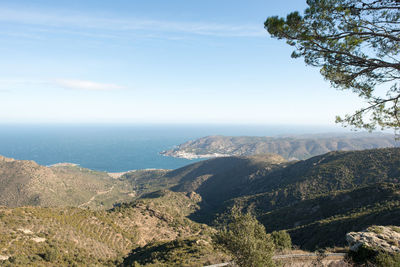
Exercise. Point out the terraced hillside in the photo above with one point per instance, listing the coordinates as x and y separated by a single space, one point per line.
56 236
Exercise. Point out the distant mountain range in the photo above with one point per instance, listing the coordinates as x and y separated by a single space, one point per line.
290 147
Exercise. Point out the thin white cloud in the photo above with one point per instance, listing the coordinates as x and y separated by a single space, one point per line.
90 23
87 85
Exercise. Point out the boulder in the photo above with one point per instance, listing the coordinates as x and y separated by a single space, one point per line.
382 238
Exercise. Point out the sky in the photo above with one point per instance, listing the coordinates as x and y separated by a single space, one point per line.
156 61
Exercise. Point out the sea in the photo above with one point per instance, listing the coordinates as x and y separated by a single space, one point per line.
121 147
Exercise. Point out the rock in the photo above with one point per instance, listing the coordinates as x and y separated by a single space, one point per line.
38 239
4 258
194 196
25 231
384 238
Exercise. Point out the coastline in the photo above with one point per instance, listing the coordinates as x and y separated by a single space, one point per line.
190 156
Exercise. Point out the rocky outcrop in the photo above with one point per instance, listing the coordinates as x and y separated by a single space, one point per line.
382 238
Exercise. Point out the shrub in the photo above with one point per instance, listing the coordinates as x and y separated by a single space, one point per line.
367 255
281 240
246 240
363 254
50 255
385 259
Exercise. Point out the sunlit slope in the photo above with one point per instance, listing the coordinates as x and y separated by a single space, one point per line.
26 183
67 236
291 147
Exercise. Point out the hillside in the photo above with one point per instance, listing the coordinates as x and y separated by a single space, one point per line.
146 181
284 194
324 196
26 183
220 179
324 174
292 147
268 182
73 236
324 221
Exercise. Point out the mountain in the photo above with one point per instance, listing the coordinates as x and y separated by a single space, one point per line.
207 178
268 181
324 221
26 183
290 147
326 195
324 174
221 179
318 200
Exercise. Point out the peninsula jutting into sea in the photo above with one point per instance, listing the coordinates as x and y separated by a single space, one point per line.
291 147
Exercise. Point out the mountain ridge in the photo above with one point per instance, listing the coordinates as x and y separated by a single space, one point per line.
290 147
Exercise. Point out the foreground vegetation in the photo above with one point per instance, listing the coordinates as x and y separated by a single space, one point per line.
68 236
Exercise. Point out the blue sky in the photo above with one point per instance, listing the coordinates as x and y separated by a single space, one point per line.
187 61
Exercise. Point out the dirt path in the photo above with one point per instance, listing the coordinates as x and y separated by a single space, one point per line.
94 197
311 256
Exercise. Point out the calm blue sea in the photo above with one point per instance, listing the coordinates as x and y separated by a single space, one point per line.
117 148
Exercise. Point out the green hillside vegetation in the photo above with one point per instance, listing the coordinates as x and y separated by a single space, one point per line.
322 175
267 182
291 147
283 194
74 236
220 179
244 237
146 181
179 252
325 220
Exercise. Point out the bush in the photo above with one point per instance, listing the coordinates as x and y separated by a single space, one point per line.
385 259
363 254
50 255
246 240
367 255
281 240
